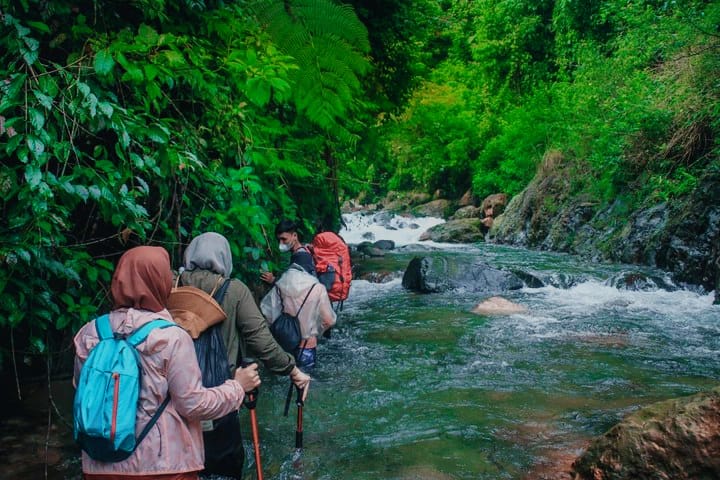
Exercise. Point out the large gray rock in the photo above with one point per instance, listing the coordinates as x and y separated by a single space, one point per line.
384 244
466 230
469 211
439 208
640 282
402 201
438 274
676 439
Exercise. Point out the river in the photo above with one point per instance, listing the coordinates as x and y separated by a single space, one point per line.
414 386
417 386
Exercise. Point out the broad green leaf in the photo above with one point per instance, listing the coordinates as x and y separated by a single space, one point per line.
258 91
38 343
104 62
144 187
33 175
158 134
39 26
95 192
45 100
16 316
105 165
36 117
151 71
133 74
82 192
148 35
106 109
174 59
23 255
137 160
62 321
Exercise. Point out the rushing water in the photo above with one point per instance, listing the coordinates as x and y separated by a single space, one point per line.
416 386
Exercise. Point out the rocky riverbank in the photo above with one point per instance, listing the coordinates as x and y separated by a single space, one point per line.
680 237
673 439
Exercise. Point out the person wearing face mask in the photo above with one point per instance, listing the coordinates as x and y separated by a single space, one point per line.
287 234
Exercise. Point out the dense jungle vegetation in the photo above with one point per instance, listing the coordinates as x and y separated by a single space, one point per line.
150 121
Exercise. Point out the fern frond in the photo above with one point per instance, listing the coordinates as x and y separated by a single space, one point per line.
329 44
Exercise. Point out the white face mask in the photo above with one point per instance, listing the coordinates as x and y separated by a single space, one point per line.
284 247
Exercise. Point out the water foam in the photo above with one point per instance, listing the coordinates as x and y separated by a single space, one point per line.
363 226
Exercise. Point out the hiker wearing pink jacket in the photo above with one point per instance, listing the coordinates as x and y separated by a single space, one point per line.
173 449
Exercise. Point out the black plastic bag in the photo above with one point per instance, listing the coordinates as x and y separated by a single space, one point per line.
224 453
286 330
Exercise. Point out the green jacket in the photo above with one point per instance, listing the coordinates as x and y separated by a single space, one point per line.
245 331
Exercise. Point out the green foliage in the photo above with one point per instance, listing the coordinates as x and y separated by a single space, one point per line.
329 44
149 126
625 89
435 138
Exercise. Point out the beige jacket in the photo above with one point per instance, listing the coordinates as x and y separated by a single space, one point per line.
292 288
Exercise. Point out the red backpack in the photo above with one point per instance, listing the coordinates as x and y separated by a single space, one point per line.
332 264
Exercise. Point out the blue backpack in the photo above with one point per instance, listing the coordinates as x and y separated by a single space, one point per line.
108 392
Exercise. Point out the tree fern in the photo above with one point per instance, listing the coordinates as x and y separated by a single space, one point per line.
330 45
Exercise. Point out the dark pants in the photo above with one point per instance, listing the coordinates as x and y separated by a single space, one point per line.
306 359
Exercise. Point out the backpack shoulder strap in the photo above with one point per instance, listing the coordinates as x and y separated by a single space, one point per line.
102 325
282 304
153 420
220 294
305 300
139 335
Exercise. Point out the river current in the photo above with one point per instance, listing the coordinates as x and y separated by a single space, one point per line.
416 386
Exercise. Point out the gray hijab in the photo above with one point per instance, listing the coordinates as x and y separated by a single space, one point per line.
209 251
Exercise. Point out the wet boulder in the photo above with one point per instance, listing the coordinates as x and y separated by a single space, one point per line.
469 211
368 249
438 274
494 205
498 306
378 277
529 279
640 282
400 201
384 244
677 439
466 230
439 208
467 199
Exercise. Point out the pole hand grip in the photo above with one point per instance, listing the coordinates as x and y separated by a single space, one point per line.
250 399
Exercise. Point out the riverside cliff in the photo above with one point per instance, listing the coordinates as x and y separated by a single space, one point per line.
681 237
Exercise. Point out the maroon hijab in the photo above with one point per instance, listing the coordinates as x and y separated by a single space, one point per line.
142 279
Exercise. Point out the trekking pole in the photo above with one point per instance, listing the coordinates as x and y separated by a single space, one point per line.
250 402
299 425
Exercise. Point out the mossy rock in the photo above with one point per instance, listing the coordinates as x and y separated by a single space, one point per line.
465 230
677 439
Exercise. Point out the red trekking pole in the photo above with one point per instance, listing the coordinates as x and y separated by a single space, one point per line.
250 402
